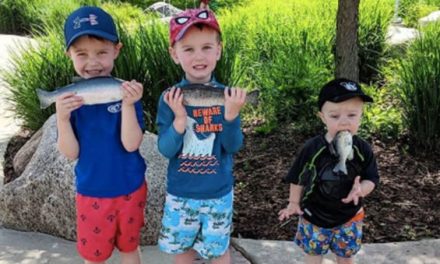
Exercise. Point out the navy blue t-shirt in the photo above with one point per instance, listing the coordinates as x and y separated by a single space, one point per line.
104 167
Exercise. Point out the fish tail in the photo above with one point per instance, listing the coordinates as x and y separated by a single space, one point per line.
252 97
45 98
340 167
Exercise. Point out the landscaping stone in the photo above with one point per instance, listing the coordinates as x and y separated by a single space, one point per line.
42 199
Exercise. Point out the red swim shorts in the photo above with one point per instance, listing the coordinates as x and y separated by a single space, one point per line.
106 223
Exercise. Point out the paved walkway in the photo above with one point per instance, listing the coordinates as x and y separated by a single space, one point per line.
35 248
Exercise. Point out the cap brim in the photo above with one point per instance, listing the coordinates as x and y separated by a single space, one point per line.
97 33
344 97
183 31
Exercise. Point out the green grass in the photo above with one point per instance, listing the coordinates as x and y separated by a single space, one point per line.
282 48
419 83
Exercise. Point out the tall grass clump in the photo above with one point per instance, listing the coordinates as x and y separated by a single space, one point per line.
374 18
27 17
214 5
17 16
419 75
145 58
43 66
382 118
285 52
412 10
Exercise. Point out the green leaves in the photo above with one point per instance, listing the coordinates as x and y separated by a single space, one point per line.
419 76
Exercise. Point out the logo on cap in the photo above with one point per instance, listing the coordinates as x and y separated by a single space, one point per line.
92 19
349 86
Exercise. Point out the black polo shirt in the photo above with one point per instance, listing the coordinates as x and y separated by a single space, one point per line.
323 188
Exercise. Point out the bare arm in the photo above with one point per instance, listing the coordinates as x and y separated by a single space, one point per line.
293 207
67 143
131 132
359 190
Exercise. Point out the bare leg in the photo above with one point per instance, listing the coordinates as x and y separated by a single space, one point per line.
341 260
185 258
132 257
309 259
224 259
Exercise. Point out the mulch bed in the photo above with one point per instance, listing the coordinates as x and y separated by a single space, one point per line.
405 207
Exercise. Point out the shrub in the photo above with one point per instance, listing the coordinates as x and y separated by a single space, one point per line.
374 18
44 67
183 4
412 10
419 83
23 17
383 117
282 49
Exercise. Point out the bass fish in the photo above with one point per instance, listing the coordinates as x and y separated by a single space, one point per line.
205 95
97 90
343 143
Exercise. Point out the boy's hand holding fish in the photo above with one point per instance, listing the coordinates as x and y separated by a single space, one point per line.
66 103
234 101
174 99
131 92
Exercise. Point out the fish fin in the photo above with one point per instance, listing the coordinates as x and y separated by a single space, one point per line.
340 167
351 154
44 97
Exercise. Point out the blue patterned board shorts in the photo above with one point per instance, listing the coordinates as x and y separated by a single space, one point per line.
204 225
344 240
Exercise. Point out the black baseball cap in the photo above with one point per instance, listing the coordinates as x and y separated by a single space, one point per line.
339 90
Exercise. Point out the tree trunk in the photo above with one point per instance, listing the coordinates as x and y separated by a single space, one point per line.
347 57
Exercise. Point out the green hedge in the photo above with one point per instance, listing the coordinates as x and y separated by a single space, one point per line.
418 80
282 49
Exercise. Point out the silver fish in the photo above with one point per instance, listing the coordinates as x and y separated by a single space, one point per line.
205 95
96 90
343 142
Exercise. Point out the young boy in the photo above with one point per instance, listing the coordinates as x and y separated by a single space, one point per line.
110 182
330 203
198 208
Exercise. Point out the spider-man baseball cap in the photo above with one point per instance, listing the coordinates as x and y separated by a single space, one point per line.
184 20
89 20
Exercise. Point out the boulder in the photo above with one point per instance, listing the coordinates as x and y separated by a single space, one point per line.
24 155
431 18
163 9
42 199
398 35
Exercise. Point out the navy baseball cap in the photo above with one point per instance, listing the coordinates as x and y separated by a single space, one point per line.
339 90
89 20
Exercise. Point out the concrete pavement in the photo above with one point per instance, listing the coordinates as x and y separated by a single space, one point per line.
36 248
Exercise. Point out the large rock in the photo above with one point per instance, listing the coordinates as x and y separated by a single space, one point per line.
42 199
398 35
25 153
431 18
163 9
